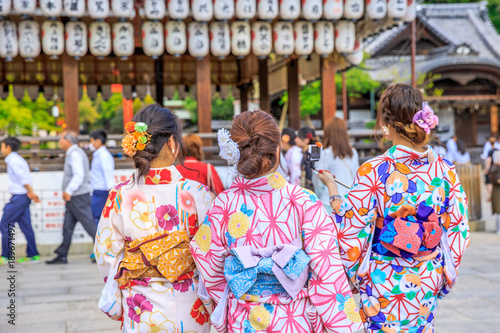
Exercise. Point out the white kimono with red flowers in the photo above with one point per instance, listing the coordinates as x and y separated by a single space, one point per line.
161 201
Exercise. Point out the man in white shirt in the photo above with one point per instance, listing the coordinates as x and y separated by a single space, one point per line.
76 187
18 208
451 149
102 173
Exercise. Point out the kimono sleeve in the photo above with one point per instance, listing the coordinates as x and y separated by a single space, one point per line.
328 287
203 201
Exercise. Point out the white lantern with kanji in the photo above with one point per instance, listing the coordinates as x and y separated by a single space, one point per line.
100 39
53 38
355 57
345 36
396 9
202 10
153 41
324 42
289 9
223 9
74 8
123 39
246 9
123 8
304 38
267 10
98 9
376 9
198 41
178 9
284 43
76 39
154 9
176 40
411 11
333 9
220 39
354 9
29 40
25 7
51 8
5 7
241 39
312 9
262 39
8 40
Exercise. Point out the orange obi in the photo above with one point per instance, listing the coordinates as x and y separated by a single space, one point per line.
161 255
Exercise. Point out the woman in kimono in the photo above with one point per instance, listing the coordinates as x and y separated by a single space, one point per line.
267 250
403 226
143 237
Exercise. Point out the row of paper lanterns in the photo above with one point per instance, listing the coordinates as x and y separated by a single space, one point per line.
218 38
206 10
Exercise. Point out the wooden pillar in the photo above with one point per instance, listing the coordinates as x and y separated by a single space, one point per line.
293 94
244 97
265 103
474 127
494 120
344 98
413 28
204 97
328 89
70 84
159 80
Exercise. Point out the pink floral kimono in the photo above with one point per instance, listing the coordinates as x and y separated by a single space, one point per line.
267 254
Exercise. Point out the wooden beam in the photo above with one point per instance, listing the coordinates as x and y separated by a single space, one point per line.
70 84
494 120
344 98
204 97
293 94
413 53
265 103
328 89
474 127
159 80
243 97
476 98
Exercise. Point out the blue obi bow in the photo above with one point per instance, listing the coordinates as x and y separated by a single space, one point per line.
249 266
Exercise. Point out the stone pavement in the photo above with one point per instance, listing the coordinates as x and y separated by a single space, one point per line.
63 298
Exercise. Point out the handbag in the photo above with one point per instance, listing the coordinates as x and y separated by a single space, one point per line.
111 297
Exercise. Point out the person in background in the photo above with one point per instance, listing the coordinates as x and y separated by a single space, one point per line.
494 176
338 157
451 149
195 169
18 208
462 156
293 155
488 146
76 193
438 146
306 136
488 164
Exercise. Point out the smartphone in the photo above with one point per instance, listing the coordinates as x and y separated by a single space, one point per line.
313 154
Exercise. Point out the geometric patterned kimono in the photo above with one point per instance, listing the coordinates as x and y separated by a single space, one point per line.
402 231
267 253
145 229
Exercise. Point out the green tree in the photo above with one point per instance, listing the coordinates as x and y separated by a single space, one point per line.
222 109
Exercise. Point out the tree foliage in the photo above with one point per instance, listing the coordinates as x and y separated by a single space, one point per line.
222 109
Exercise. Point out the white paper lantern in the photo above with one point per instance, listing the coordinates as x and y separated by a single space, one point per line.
245 9
312 9
304 38
411 11
345 36
8 40
51 8
29 40
241 39
76 39
74 8
178 9
202 10
333 9
25 7
176 40
376 9
100 39
289 9
353 9
284 43
123 8
155 9
262 39
223 9
5 7
123 39
324 42
53 38
98 9
198 43
355 57
267 10
396 9
153 42
220 39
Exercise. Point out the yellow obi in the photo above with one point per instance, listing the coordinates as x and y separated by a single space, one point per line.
161 255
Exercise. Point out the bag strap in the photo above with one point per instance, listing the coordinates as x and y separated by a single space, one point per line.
347 166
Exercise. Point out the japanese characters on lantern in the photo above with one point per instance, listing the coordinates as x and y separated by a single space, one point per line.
345 34
51 8
289 9
76 39
25 7
223 9
376 9
98 9
220 40
100 39
324 38
312 9
5 6
198 43
284 38
29 40
262 39
178 9
246 9
74 8
123 39
333 9
123 8
154 9
267 10
241 40
53 38
8 40
353 9
411 11
355 57
304 38
396 9
202 10
176 40
153 39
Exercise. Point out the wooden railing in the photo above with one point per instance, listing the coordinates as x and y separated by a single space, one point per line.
471 177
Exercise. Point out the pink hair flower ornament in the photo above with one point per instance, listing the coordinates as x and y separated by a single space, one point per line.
426 118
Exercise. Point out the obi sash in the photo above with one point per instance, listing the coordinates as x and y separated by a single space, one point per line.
266 271
160 255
